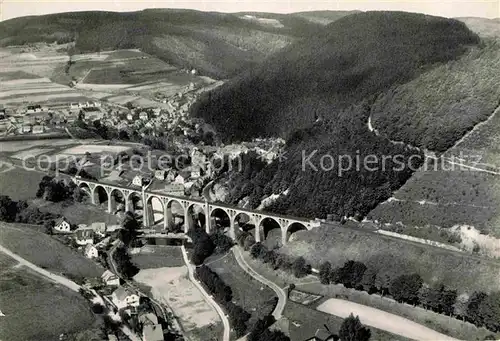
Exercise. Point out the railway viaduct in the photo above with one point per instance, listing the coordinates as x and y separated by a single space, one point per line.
97 190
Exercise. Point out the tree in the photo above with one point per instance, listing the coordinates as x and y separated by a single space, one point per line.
257 251
475 301
351 273
353 330
300 267
489 311
368 280
405 288
324 272
8 209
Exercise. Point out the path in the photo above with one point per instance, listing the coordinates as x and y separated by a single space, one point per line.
382 320
280 293
208 298
61 280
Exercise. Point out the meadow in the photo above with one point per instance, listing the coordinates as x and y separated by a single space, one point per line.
36 309
46 252
253 296
391 257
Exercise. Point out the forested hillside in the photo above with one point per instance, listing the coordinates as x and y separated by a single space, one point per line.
318 94
216 44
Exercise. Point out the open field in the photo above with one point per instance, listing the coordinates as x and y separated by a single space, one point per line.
382 320
20 184
46 252
78 213
151 257
29 303
250 294
386 255
171 286
304 321
434 321
15 146
40 90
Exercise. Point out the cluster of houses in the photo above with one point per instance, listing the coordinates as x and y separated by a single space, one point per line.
128 300
33 119
91 238
94 238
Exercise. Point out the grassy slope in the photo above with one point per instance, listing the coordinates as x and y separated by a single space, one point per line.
29 302
46 252
338 244
216 44
249 293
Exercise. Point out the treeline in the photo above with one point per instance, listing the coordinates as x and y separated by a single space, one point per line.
20 212
204 245
223 295
480 308
298 266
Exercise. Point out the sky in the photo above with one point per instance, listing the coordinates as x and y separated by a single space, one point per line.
446 8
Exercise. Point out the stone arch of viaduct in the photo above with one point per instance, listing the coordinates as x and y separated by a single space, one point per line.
287 225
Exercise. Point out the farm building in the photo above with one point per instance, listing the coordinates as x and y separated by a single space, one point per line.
182 177
90 251
143 116
84 235
138 180
124 297
62 225
110 278
99 228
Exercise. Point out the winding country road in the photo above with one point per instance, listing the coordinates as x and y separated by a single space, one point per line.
60 280
280 292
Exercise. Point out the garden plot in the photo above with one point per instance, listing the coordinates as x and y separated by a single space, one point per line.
302 297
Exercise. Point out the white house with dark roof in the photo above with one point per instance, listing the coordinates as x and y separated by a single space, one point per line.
110 278
62 225
125 297
91 251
